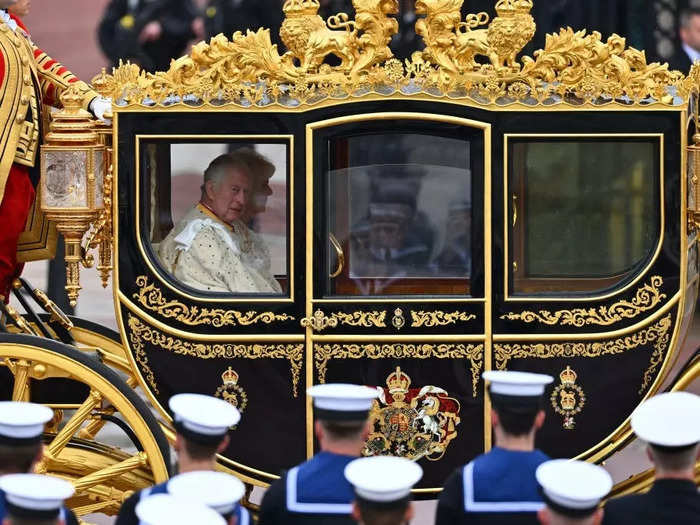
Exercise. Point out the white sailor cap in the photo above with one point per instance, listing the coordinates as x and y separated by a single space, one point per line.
573 488
341 401
35 496
165 509
516 388
22 423
203 419
217 490
670 420
383 480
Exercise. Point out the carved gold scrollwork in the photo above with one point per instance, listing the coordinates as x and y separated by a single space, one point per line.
656 335
646 298
438 318
323 353
141 333
364 319
150 297
574 67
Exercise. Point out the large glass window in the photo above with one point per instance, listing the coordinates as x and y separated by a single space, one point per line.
217 218
400 215
585 213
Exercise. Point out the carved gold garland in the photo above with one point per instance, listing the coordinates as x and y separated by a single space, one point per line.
150 297
474 352
573 68
646 298
141 332
137 343
438 318
657 335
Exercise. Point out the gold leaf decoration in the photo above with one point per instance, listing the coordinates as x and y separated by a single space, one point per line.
438 318
474 352
646 298
656 335
574 68
363 319
150 297
141 333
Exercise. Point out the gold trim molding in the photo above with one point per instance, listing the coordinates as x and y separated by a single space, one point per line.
373 319
574 68
323 353
422 318
150 297
141 333
646 298
657 335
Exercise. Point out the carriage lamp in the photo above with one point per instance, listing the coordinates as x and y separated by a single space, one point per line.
72 180
694 183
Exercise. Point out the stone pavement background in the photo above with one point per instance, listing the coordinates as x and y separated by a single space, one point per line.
66 30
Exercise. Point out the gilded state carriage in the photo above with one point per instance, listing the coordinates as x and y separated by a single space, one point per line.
463 210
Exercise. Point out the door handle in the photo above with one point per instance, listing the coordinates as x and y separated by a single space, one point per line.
340 255
515 209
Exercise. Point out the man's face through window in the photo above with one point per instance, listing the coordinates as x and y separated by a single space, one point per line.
691 34
230 196
386 234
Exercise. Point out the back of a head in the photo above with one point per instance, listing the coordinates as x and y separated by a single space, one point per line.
373 515
516 421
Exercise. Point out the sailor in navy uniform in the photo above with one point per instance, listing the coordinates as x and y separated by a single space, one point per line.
670 425
201 425
499 486
572 491
317 491
164 509
217 490
35 498
21 427
383 489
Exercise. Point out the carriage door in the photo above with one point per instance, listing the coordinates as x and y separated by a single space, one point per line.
396 275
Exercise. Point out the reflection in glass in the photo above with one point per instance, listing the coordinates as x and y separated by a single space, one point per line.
585 213
403 227
211 228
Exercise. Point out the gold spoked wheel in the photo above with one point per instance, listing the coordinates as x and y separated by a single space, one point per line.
85 395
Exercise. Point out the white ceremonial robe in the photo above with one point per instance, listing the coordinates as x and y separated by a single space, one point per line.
205 253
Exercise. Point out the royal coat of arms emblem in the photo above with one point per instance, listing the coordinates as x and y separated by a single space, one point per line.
568 398
411 422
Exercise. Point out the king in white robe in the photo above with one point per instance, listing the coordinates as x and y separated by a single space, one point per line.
204 252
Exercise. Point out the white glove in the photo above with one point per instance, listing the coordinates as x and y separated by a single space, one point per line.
99 106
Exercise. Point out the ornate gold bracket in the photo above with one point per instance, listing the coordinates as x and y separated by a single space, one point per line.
319 321
646 298
323 353
150 297
141 333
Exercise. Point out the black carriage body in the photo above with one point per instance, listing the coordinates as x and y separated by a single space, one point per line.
617 335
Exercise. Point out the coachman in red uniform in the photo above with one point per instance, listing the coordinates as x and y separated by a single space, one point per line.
29 81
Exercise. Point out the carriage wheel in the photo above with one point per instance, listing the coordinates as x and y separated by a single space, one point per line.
84 394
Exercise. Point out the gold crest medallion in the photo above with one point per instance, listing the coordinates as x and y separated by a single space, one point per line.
231 392
568 398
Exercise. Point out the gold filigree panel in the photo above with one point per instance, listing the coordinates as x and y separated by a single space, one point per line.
422 318
323 353
646 298
657 335
247 69
150 297
141 333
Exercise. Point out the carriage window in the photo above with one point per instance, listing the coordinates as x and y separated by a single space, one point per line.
218 214
400 215
585 214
